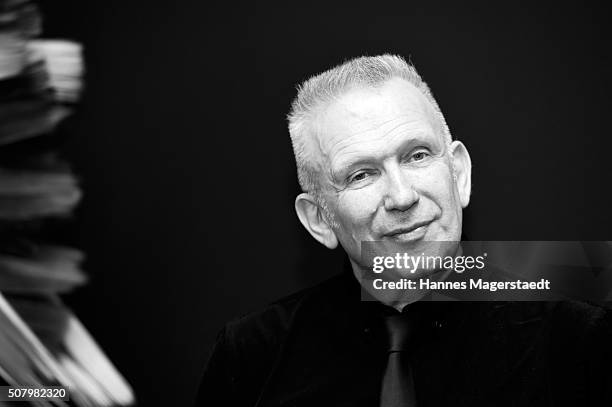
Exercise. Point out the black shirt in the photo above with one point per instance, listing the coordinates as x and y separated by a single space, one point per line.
325 347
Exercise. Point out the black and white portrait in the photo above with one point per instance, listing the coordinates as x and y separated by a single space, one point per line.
227 170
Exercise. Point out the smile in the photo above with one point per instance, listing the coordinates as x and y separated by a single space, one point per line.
411 233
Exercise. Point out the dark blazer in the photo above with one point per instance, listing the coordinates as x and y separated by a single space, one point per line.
324 347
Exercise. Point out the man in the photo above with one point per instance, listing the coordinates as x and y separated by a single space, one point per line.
376 162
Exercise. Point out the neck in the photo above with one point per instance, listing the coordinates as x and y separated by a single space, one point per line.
397 298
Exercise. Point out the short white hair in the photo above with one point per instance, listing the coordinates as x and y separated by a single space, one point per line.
321 89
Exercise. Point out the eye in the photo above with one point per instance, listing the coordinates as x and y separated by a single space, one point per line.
358 176
419 155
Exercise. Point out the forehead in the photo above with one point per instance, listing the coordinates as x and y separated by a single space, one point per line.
365 117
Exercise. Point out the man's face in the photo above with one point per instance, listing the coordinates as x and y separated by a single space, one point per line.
388 172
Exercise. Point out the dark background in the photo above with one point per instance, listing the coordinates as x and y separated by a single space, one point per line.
189 178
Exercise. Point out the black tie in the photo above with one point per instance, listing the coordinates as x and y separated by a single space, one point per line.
398 381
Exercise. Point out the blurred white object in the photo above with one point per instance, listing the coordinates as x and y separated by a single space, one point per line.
64 64
42 343
13 58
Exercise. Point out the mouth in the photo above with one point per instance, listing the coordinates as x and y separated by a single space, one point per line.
413 232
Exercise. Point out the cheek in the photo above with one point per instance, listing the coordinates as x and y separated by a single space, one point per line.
357 207
439 186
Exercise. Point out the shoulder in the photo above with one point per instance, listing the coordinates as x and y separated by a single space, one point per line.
248 348
579 343
580 321
566 321
581 331
267 327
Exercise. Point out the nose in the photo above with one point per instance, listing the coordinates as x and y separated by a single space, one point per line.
400 194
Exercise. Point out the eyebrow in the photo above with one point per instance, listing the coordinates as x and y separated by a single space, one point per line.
341 169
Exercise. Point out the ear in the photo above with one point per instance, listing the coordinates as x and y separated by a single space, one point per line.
462 165
311 216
